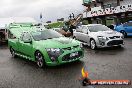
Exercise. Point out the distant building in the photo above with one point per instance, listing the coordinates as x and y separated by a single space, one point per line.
108 11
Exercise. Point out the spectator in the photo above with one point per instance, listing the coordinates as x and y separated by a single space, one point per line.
71 29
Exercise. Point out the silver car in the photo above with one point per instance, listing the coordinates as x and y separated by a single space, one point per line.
98 36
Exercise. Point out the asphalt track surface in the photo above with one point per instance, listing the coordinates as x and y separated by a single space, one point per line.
108 63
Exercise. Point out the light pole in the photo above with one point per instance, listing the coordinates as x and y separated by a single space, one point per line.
41 18
118 2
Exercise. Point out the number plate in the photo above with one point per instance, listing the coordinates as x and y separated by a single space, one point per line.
73 54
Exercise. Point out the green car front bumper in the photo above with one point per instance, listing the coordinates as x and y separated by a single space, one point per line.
66 58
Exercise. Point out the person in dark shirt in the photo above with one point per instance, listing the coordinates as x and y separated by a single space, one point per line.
71 29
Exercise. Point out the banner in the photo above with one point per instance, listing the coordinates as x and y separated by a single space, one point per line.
107 11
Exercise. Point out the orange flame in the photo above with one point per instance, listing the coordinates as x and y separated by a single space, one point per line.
84 73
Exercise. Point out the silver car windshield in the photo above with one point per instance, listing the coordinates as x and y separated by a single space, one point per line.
98 28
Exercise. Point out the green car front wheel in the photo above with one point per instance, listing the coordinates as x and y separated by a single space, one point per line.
39 59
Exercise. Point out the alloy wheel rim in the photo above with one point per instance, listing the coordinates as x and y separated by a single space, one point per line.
124 33
92 44
39 60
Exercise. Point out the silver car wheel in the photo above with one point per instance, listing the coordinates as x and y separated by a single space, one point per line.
92 44
124 33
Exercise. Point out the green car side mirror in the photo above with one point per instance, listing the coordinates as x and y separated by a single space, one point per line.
28 40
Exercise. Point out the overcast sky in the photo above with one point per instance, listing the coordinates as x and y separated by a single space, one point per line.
51 9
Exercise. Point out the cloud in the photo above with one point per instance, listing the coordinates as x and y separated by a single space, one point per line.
51 9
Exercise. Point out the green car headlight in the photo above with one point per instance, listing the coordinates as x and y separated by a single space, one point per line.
54 53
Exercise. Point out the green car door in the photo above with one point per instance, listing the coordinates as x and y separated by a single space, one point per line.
26 48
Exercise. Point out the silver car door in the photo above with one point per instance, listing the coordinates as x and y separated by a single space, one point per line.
88 36
78 33
85 34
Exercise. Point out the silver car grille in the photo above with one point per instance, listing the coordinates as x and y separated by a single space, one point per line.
114 37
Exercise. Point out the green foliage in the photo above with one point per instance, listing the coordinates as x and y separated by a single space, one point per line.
109 22
56 25
85 22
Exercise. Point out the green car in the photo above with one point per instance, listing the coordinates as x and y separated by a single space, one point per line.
45 47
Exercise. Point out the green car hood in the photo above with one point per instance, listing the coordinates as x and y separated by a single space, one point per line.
61 42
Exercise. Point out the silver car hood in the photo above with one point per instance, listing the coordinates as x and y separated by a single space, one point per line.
107 33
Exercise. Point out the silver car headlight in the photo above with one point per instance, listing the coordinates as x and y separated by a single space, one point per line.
102 38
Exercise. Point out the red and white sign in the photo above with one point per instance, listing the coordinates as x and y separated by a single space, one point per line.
118 9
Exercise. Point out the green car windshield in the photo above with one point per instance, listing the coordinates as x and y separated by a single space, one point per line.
46 34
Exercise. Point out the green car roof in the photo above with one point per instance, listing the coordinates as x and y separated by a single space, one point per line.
17 28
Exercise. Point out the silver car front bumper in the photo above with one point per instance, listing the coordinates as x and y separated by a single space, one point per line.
110 43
